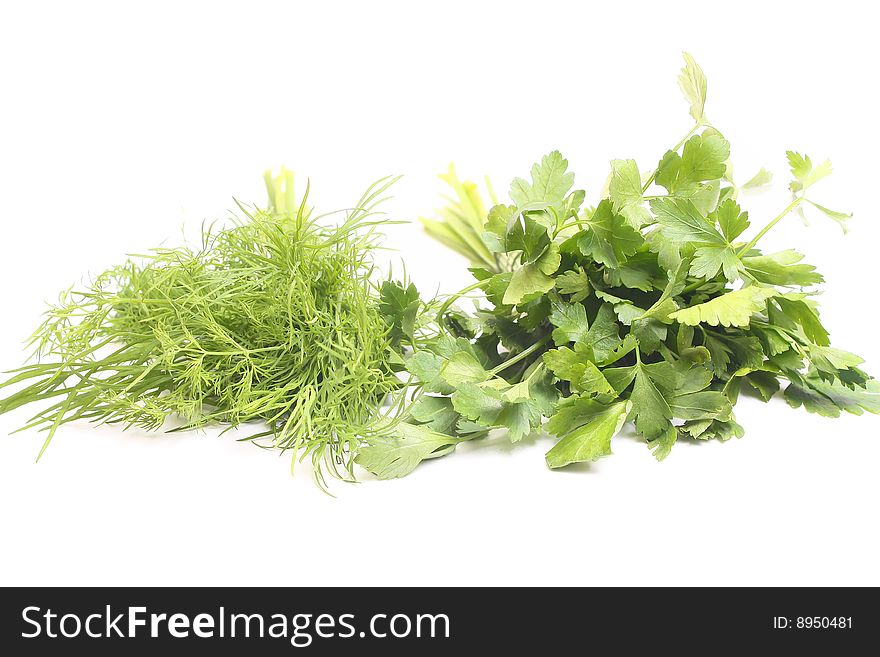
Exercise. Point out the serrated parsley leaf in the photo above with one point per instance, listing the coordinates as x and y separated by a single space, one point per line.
593 383
710 260
436 413
641 271
804 173
498 404
551 181
703 158
733 351
681 221
833 361
623 348
650 410
712 429
398 454
533 279
586 427
625 191
662 446
829 399
574 282
576 368
625 309
692 82
463 367
782 268
507 231
730 309
765 384
647 328
802 311
604 334
707 404
399 306
570 320
650 333
427 366
480 404
565 363
625 186
731 219
607 237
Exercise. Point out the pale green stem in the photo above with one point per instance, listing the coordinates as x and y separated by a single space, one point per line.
693 286
525 353
571 224
791 206
455 297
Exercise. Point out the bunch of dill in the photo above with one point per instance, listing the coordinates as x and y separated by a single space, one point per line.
274 319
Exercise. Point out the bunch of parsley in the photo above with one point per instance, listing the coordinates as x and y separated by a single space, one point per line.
651 307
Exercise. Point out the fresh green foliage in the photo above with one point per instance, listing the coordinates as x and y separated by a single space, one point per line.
276 319
650 306
461 221
397 454
587 427
653 307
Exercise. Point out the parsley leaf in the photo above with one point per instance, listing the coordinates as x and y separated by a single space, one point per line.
551 181
607 238
650 306
625 191
730 309
650 410
702 159
575 282
398 454
399 306
692 82
586 427
570 320
534 278
782 268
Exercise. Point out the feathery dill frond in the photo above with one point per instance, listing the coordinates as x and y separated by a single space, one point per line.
273 319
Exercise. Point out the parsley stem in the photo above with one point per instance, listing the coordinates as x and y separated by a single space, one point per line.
525 353
791 206
455 297
571 224
693 286
444 308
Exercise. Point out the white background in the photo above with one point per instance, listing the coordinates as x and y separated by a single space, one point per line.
119 125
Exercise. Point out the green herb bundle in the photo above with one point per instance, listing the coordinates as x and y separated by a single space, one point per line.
651 307
275 319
